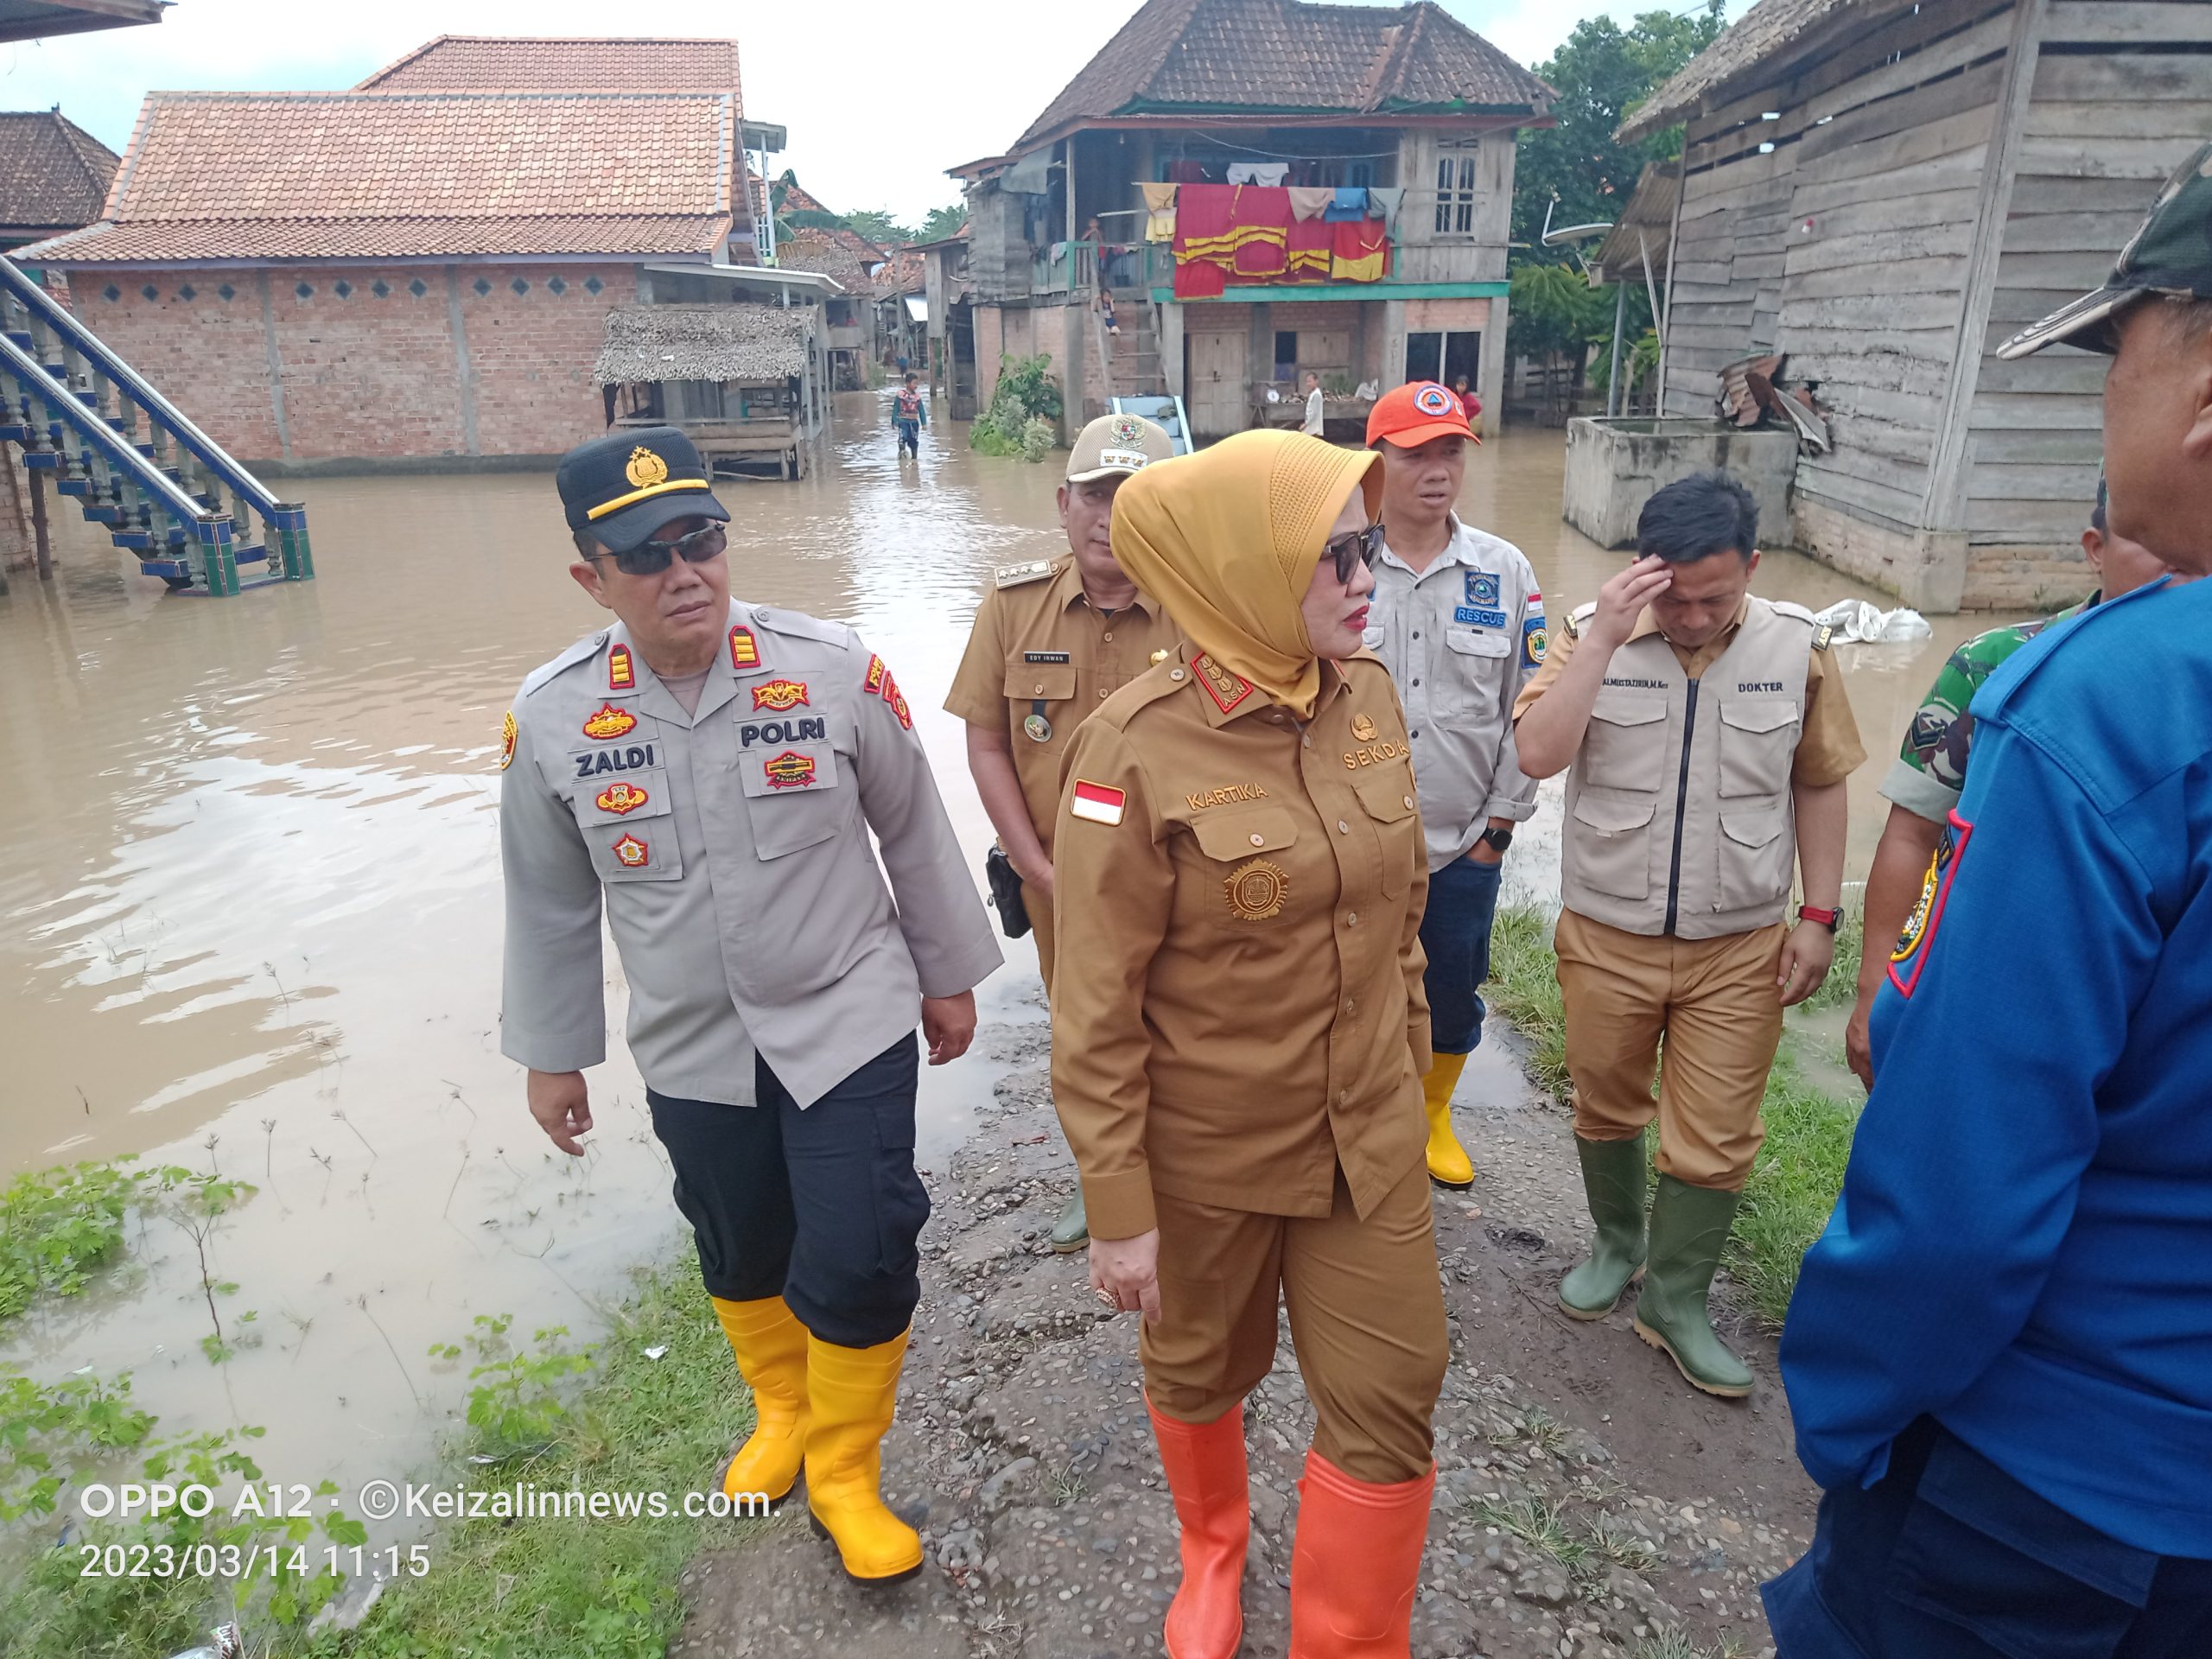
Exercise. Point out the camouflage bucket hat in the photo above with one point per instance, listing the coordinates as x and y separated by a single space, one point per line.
2171 253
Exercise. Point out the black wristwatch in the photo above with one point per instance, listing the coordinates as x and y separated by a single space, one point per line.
1497 840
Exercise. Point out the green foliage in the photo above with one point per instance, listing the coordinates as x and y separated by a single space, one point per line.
879 227
1601 73
1552 310
60 1226
942 222
1027 399
517 1407
1523 986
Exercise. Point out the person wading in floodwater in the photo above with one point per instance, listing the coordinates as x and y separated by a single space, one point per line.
711 772
909 413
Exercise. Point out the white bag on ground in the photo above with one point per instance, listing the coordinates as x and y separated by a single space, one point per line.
1855 621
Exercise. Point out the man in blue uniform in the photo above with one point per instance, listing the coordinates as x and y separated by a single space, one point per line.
1999 1357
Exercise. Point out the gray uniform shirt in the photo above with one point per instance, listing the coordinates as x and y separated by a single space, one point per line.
1459 639
730 848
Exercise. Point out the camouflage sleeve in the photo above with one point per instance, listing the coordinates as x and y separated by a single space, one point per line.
1930 768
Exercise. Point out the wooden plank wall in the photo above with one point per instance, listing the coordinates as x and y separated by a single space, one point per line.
2107 121
1845 244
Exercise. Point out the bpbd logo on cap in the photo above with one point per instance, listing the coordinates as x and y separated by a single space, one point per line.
1433 399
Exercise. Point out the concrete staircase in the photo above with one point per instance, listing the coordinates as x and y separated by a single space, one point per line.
1130 359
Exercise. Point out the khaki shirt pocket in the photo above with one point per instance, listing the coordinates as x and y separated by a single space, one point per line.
1626 744
1249 866
1758 737
1391 807
1477 663
1614 843
1754 857
1028 683
794 795
624 818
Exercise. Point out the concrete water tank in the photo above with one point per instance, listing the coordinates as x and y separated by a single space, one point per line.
1614 465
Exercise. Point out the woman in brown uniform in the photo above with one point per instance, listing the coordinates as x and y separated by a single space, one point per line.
1238 1024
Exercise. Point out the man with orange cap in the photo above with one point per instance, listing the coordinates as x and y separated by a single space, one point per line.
1459 623
1238 1031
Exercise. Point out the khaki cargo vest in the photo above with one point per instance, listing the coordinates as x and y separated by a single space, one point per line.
1679 817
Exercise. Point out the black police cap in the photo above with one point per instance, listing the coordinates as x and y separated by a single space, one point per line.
625 486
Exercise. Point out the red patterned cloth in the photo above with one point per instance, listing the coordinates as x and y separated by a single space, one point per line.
1362 252
1261 214
1313 247
1199 279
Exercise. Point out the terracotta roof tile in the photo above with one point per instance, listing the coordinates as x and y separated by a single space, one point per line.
479 63
230 242
54 175
1285 55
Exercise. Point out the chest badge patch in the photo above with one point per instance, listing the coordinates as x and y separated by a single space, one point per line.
1363 729
782 695
1036 729
744 652
1482 589
609 722
790 770
620 676
621 799
1098 803
507 740
632 854
1256 890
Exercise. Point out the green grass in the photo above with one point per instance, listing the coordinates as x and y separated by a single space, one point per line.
1800 1168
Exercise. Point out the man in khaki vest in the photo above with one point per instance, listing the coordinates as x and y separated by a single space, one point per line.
1709 736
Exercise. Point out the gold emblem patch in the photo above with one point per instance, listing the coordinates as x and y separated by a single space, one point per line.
646 468
621 799
1362 729
609 722
630 853
782 695
507 740
1256 890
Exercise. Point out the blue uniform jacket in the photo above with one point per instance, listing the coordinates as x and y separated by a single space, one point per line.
2023 1243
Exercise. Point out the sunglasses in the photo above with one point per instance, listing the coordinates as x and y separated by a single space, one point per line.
1352 551
651 558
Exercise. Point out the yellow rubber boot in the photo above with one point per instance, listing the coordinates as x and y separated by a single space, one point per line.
1448 1163
771 1349
853 1393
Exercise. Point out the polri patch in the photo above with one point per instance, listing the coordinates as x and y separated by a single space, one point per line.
621 799
1482 589
872 682
790 770
507 735
1471 616
632 854
607 721
744 650
781 695
620 676
1098 803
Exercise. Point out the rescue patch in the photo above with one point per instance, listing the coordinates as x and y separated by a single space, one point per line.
1227 689
621 799
1471 616
507 735
1256 890
630 853
608 722
1919 935
781 695
1099 802
1227 795
620 676
1482 589
790 770
872 682
744 651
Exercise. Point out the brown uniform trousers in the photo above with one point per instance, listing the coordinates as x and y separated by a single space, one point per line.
1040 653
1236 1021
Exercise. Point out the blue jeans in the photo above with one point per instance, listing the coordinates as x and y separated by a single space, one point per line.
1455 932
1948 1557
910 435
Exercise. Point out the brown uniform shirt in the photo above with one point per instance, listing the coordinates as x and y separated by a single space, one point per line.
1040 652
1828 751
1238 1010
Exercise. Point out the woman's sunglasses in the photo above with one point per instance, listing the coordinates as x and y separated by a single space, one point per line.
651 558
1353 551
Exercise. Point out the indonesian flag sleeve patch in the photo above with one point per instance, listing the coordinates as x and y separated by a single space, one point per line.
1100 803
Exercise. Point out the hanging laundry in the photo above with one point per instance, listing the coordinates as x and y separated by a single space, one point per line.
1387 203
1308 203
1159 212
1262 230
1206 223
1266 173
1031 175
1313 247
1347 201
1362 251
1199 279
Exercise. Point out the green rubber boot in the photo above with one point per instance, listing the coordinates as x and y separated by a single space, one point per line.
1689 1225
1612 1177
1072 1230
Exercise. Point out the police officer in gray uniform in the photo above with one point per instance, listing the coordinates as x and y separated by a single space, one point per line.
711 770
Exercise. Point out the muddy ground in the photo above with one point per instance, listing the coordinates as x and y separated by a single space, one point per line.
1588 1502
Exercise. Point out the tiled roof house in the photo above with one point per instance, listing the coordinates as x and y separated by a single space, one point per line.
1404 100
54 175
419 267
837 252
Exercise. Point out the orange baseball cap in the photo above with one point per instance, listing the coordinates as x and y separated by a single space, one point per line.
1410 415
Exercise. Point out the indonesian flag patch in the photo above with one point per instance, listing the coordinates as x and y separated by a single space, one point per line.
1097 802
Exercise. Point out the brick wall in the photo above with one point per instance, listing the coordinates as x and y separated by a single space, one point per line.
367 374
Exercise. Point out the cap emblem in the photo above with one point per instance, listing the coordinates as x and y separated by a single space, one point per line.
1433 399
646 468
1125 429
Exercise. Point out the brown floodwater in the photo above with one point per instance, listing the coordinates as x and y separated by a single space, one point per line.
251 905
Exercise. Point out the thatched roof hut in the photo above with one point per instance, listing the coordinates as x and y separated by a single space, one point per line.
643 344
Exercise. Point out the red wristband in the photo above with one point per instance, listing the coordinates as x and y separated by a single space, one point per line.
1828 919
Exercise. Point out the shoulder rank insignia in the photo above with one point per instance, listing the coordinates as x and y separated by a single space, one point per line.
872 682
609 722
1821 636
1099 802
1227 689
782 695
507 734
743 651
1013 576
620 676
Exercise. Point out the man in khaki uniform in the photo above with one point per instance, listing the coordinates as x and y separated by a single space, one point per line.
1052 640
1710 737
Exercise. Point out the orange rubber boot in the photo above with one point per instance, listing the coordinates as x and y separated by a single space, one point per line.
771 1349
1204 1463
1357 1564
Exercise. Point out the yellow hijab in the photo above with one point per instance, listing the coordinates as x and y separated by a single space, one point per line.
1226 539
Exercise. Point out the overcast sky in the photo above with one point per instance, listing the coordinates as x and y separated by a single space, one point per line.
879 98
